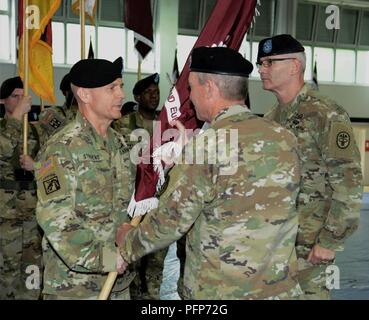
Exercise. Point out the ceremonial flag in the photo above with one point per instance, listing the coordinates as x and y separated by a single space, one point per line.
226 26
41 74
90 9
138 18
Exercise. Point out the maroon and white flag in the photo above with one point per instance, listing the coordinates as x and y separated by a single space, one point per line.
226 26
138 18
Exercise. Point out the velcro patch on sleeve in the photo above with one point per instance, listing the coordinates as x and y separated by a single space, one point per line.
341 141
51 180
52 121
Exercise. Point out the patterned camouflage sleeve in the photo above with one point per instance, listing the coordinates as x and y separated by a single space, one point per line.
179 207
50 121
10 135
342 158
64 226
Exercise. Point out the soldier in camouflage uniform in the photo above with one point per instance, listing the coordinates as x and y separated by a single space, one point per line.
54 118
20 239
330 197
146 92
84 186
239 215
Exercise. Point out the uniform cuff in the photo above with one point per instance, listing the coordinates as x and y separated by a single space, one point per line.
126 249
325 240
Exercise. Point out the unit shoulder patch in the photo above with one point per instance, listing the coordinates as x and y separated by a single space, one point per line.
51 180
341 141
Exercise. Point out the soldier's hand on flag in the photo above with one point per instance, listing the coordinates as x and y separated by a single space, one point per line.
23 107
121 264
320 255
183 137
26 162
121 233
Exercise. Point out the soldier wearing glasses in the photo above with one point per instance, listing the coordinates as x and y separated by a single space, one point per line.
330 197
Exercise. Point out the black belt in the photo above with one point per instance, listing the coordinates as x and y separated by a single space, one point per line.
17 185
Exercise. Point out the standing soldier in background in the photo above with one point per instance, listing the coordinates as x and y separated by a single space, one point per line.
329 201
54 118
20 239
84 186
147 95
146 285
239 215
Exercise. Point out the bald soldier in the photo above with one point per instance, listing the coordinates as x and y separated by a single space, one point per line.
84 186
20 239
330 197
239 216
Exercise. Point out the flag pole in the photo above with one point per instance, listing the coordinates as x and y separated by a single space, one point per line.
26 75
139 75
112 276
109 283
42 105
83 23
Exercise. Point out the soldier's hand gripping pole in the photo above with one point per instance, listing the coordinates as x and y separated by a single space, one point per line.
109 283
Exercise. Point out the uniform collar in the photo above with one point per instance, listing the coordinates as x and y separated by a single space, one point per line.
295 102
229 111
88 127
292 106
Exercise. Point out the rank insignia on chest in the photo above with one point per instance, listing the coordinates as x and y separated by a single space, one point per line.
295 121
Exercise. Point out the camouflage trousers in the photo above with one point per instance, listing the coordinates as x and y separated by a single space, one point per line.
20 246
122 295
312 279
146 285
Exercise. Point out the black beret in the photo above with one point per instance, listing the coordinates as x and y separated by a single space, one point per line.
129 107
9 86
281 44
143 84
220 60
65 83
95 73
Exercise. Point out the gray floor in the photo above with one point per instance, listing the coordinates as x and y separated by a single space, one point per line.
353 263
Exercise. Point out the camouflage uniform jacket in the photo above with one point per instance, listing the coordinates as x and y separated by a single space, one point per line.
11 146
137 121
241 228
53 119
84 186
330 197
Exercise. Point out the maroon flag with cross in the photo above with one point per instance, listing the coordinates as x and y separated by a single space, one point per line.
226 26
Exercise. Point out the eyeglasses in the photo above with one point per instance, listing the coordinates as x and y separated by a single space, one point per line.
268 62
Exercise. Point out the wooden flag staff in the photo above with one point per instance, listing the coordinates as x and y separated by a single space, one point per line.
109 283
83 24
26 75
